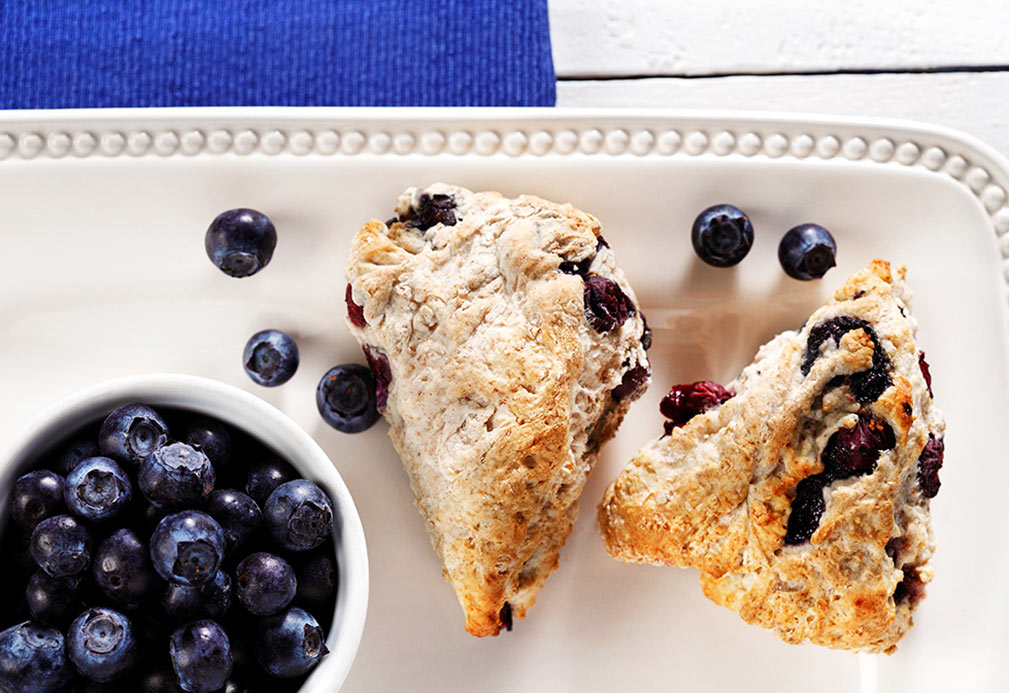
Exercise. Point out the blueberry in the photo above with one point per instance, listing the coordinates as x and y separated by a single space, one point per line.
431 210
187 547
101 644
240 242
866 386
266 475
61 546
182 603
633 384
346 398
132 432
379 365
290 643
176 475
54 601
299 515
506 616
238 515
33 659
270 357
354 311
684 402
646 334
607 307
832 330
122 569
910 589
929 464
851 451
76 452
578 268
807 252
201 656
97 489
722 235
216 594
266 583
925 371
807 507
210 437
187 602
36 496
317 580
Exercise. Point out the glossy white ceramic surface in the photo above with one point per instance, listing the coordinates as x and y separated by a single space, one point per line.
102 274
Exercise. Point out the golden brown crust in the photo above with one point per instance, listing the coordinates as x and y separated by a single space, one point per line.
717 493
501 392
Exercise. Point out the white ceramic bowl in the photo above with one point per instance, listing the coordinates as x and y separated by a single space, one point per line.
262 421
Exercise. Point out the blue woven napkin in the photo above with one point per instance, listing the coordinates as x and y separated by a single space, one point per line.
121 53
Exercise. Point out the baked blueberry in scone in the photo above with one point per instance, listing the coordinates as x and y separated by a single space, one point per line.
507 347
800 490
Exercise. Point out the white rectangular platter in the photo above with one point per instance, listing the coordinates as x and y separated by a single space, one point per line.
103 274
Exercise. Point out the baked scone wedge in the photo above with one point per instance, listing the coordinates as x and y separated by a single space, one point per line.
507 347
802 493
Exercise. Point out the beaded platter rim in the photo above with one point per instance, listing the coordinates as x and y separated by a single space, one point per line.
512 133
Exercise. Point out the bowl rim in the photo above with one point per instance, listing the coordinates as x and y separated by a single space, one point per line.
265 422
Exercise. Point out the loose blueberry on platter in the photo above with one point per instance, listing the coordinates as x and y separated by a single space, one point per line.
722 235
240 242
346 398
270 357
807 251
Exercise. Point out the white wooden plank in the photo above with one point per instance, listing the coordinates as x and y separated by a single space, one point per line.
975 103
632 37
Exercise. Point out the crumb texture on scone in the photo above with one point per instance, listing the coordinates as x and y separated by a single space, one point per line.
508 346
803 499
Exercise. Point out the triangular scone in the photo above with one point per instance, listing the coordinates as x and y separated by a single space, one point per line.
803 499
507 347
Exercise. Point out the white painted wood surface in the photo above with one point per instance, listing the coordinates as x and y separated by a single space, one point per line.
603 48
663 37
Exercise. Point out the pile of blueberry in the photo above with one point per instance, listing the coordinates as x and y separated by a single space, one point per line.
723 234
162 551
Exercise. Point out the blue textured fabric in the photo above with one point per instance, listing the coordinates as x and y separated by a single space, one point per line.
121 53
